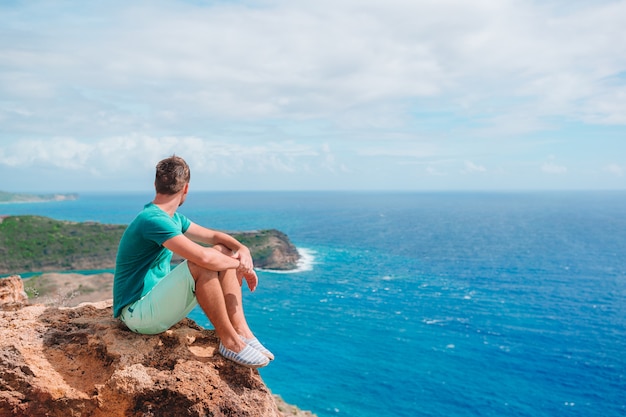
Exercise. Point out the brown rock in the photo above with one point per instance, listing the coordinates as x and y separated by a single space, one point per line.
12 295
272 250
80 361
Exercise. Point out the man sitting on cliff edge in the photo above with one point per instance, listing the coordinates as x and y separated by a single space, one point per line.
150 298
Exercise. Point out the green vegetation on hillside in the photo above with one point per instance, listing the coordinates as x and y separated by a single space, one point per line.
271 249
35 243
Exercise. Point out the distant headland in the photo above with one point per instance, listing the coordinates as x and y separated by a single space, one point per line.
38 244
6 197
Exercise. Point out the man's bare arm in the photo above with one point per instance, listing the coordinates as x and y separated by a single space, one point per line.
214 259
208 258
202 234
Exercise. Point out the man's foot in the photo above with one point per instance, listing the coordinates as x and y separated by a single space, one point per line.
254 342
248 357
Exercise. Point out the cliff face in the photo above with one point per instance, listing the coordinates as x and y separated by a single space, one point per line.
79 361
271 249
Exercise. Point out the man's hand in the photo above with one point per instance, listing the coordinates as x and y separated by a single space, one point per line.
250 276
245 258
246 268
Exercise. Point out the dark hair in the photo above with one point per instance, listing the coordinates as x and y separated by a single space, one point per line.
171 175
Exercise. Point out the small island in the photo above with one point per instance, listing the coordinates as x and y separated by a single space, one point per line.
6 197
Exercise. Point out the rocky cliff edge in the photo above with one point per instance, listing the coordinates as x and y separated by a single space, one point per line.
79 361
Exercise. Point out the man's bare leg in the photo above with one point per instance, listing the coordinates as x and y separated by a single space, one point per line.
234 302
210 296
211 299
231 292
234 306
231 288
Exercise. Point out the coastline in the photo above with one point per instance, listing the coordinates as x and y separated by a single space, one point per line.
70 288
60 289
12 198
39 243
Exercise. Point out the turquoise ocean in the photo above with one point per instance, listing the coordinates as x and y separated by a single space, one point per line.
428 304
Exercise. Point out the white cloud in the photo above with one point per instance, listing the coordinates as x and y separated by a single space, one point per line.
471 168
614 169
293 59
120 155
607 105
398 149
264 85
552 168
432 171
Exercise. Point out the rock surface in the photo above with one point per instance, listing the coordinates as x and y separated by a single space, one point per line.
12 295
69 289
79 361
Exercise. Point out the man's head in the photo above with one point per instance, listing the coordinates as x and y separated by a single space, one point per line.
172 174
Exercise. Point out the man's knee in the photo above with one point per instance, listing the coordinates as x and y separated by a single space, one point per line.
198 272
223 249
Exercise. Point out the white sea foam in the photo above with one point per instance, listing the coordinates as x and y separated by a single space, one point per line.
305 263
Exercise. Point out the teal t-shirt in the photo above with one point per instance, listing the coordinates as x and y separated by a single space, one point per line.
142 260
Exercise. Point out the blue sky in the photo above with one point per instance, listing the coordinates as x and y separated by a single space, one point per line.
314 95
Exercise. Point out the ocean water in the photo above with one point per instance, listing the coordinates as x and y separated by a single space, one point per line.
429 304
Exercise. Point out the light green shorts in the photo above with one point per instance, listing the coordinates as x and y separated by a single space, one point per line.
166 304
